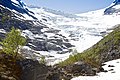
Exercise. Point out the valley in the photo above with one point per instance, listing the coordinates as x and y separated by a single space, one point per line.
63 41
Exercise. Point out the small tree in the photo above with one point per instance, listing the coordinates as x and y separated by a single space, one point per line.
12 42
43 61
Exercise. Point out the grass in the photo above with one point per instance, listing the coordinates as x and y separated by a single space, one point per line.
93 55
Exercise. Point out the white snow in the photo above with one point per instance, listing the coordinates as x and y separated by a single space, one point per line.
27 17
110 75
15 1
87 28
2 31
53 58
82 31
28 33
86 42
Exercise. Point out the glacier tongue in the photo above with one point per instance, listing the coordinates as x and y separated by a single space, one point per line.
86 29
83 30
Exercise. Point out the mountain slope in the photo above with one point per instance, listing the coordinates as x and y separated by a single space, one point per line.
112 74
105 50
82 28
18 6
57 35
91 61
53 32
42 39
113 8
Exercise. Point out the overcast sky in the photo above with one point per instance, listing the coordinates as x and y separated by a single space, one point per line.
71 6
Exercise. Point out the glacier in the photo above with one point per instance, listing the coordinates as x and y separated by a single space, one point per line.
82 30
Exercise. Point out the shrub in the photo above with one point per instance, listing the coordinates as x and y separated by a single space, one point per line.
43 61
12 42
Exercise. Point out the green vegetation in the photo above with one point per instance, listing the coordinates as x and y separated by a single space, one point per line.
11 44
97 53
43 61
4 17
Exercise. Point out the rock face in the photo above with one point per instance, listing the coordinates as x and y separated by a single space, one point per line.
57 73
112 46
112 54
68 72
33 70
23 69
116 1
113 8
80 68
8 19
19 6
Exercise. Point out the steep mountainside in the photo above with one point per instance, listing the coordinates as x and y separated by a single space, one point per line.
41 38
90 61
113 8
81 28
105 50
18 6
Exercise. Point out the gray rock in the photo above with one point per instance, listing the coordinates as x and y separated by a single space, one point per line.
54 47
32 70
80 68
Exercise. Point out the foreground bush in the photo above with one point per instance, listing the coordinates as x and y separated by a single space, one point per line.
12 42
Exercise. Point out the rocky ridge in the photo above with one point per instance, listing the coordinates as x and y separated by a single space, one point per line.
113 8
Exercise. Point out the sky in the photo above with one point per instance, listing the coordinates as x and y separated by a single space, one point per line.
71 6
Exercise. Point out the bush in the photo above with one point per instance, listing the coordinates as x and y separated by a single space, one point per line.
43 61
12 42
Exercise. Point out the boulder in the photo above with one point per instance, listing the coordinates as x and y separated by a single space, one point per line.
81 68
33 70
53 76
